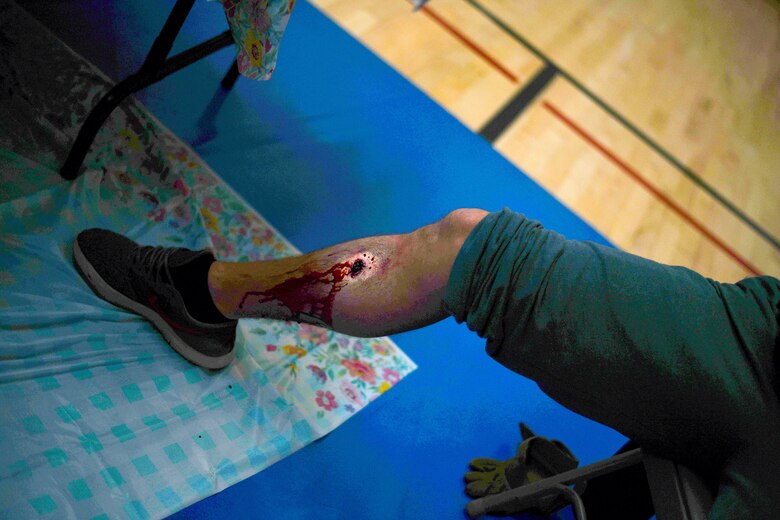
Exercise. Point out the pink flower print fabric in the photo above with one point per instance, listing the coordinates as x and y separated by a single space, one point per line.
257 27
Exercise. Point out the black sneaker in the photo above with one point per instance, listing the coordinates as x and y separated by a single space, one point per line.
143 279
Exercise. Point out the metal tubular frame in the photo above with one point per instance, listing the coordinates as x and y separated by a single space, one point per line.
677 492
156 67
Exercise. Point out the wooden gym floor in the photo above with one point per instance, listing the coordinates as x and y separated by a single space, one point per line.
658 123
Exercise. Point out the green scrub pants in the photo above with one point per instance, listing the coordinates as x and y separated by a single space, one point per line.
682 364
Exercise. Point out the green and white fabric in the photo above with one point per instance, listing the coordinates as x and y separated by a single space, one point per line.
101 418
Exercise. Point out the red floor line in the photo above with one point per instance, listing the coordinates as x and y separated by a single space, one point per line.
631 172
468 43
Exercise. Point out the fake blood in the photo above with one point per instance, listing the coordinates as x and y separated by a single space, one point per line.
302 295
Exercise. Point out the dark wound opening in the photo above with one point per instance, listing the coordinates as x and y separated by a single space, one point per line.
357 267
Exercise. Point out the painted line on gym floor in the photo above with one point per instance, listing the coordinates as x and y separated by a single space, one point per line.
631 172
690 174
512 110
468 43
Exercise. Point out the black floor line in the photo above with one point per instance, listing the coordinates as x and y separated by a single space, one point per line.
630 126
512 110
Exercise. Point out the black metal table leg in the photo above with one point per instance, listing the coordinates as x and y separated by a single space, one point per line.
156 66
95 119
230 78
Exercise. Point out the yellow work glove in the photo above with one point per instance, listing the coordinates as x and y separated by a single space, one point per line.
537 458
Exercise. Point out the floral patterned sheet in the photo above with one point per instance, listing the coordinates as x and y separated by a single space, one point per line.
101 419
257 27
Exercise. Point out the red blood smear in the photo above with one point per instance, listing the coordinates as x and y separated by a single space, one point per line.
300 295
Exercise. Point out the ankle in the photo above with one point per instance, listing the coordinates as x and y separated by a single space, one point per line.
218 290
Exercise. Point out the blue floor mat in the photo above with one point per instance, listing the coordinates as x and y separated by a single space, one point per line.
336 146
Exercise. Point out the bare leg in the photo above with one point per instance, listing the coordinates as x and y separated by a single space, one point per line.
367 287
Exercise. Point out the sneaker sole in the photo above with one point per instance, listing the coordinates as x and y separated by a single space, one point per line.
111 295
